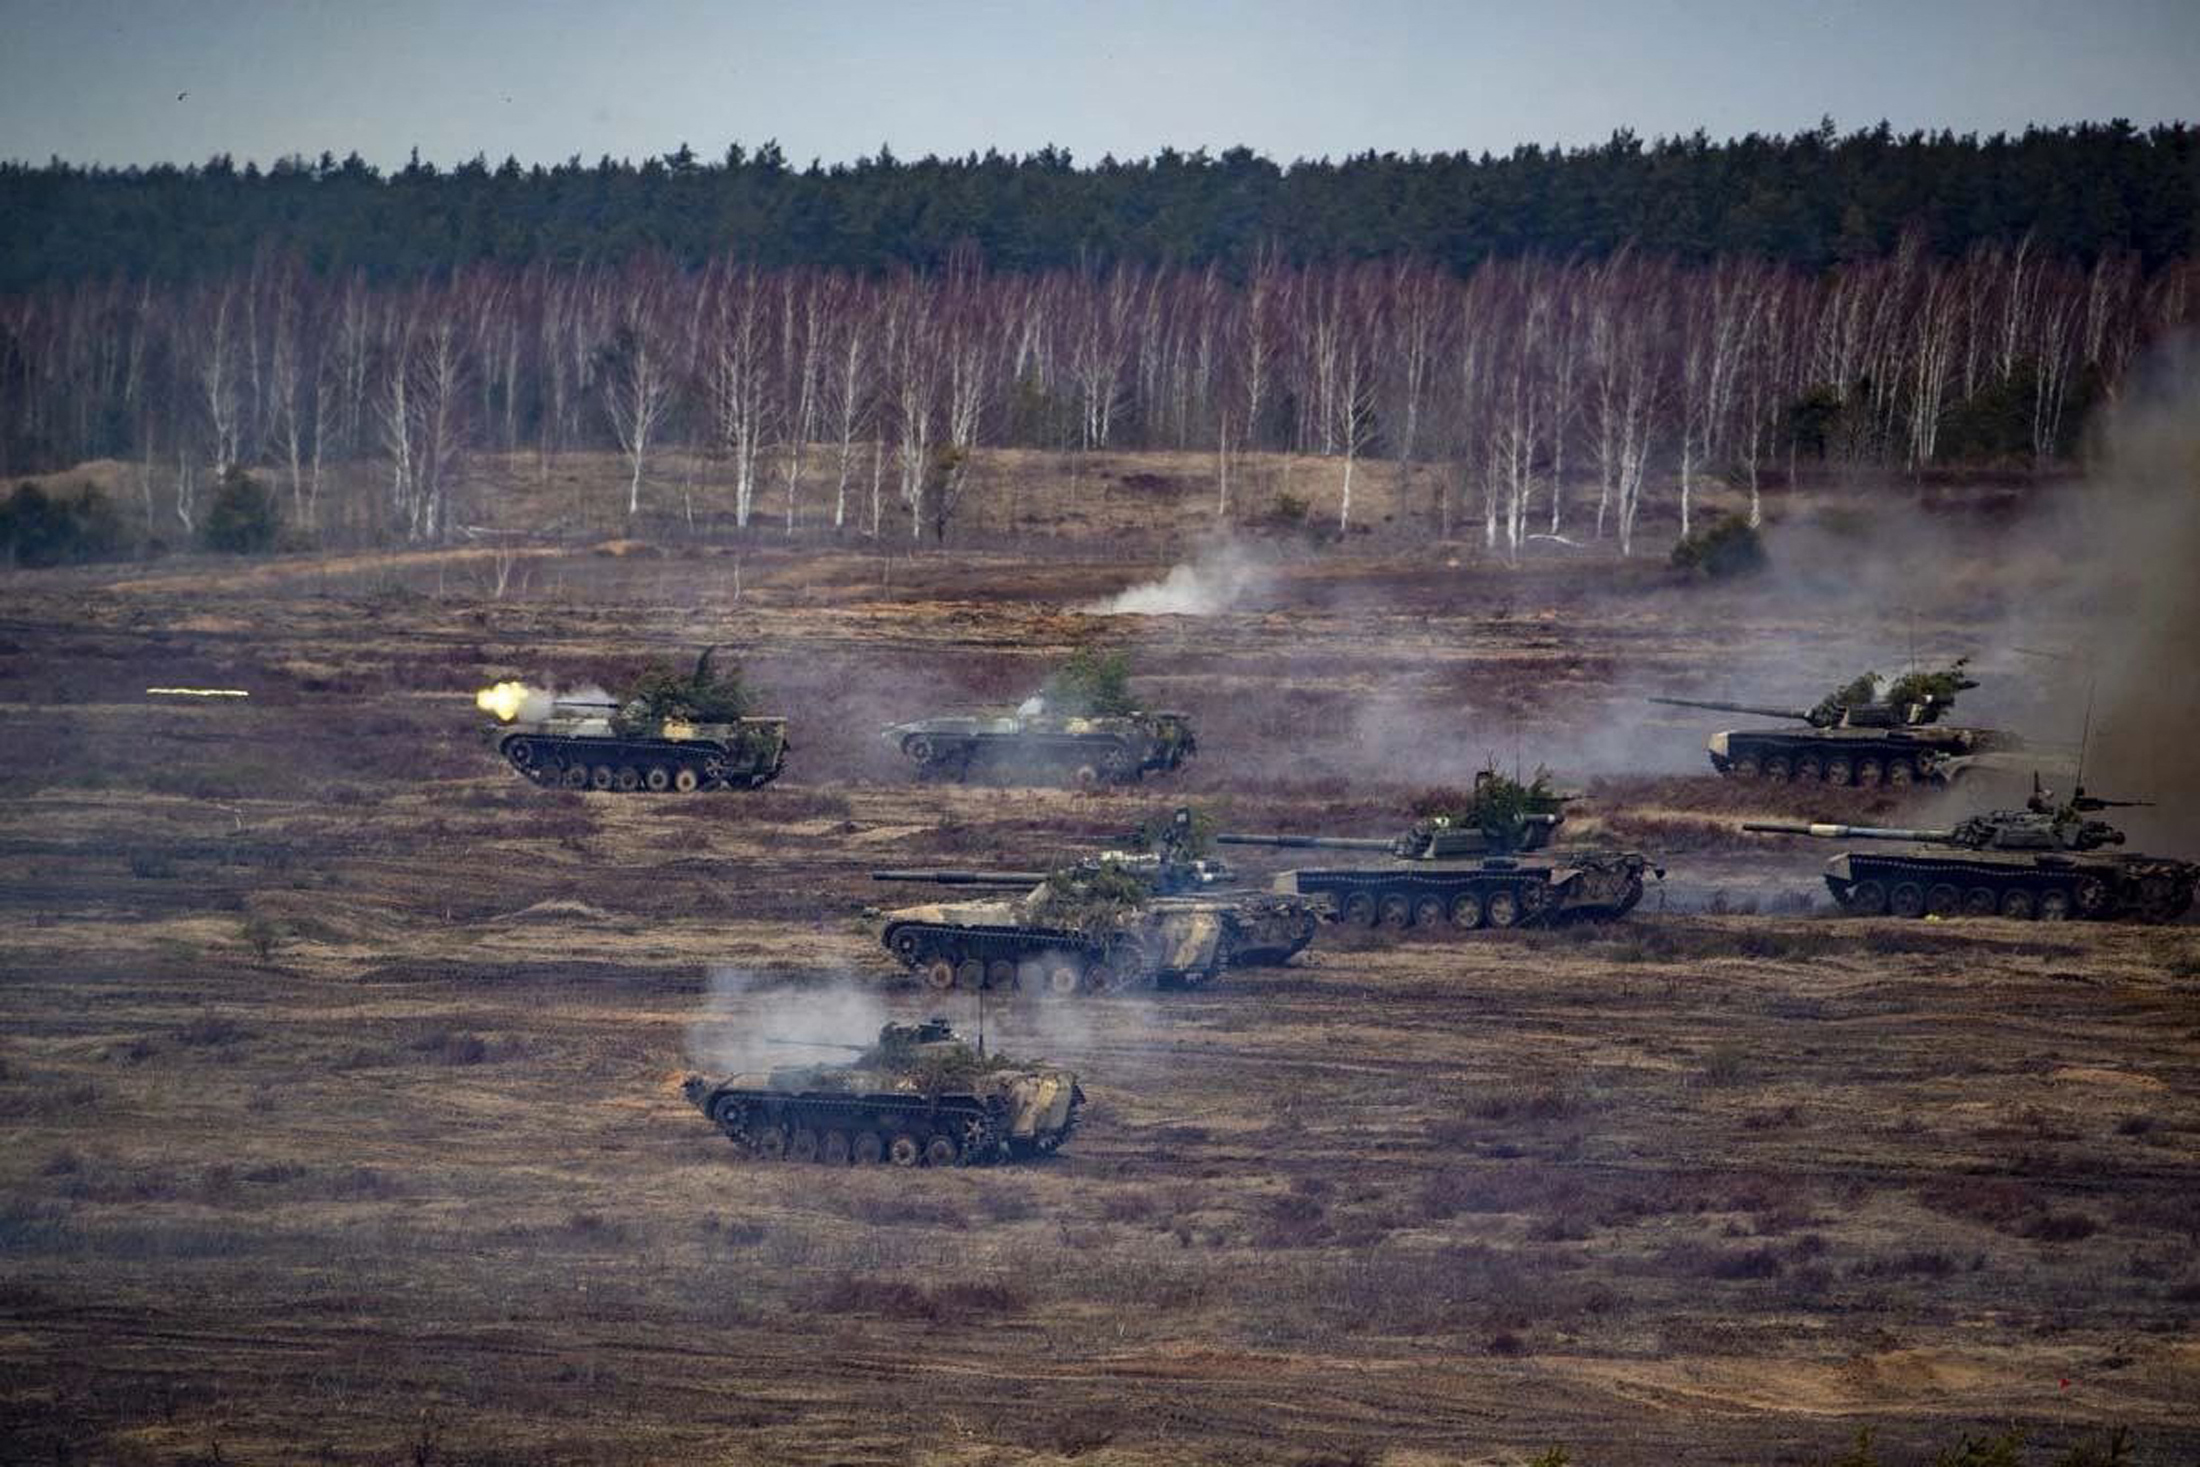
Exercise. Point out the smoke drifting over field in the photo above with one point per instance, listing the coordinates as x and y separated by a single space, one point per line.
1221 577
2143 629
749 1022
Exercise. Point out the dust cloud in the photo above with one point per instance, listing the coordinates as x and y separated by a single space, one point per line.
749 1022
2142 523
1220 577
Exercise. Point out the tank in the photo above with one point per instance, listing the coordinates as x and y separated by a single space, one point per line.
921 1096
1091 748
1470 866
2046 861
669 734
1858 734
1118 919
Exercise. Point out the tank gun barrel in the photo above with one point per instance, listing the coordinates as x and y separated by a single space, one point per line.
1305 842
1801 715
1845 832
817 1044
965 878
584 703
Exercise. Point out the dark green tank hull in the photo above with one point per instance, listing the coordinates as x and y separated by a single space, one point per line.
652 766
1471 896
895 1130
1956 883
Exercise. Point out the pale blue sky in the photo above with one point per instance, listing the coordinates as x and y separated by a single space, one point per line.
97 80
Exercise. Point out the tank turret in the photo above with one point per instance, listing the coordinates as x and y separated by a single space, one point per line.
1858 733
2039 861
1468 862
671 732
920 1096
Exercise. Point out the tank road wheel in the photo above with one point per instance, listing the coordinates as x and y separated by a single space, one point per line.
686 780
1868 899
1394 911
1980 901
1359 909
906 944
941 1151
1000 975
919 748
802 1145
868 1149
1429 912
725 1113
1031 975
834 1149
600 777
1466 911
574 777
2054 906
2091 897
939 972
1116 764
520 752
1087 776
627 780
1907 900
657 779
1747 766
2016 904
1869 772
970 974
1778 770
1064 975
1502 909
1943 900
1839 770
1901 773
903 1150
1810 769
768 1143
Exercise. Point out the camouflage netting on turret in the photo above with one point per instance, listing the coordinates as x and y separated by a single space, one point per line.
1497 806
1186 834
1091 684
1934 691
707 695
1858 694
1090 897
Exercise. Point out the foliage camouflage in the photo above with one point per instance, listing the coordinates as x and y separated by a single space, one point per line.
1498 806
1185 834
1091 896
38 529
1728 546
245 515
706 695
1092 684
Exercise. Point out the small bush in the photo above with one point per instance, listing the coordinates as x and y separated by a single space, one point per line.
37 529
212 1029
2061 1227
244 516
151 866
1728 546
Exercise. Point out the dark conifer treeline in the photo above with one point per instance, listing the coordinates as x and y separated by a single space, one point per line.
1810 200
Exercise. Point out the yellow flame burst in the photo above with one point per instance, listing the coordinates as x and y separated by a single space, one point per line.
504 700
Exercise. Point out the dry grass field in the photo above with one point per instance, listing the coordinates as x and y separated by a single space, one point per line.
338 1066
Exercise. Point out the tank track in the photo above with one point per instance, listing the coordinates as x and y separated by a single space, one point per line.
1836 759
1094 758
1051 960
1950 886
1459 901
905 1131
628 766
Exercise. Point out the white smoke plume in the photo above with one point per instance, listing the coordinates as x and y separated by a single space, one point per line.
1221 577
752 1022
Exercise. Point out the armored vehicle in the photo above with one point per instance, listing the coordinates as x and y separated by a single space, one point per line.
2044 861
920 1096
1112 920
1854 735
1093 748
672 732
1470 865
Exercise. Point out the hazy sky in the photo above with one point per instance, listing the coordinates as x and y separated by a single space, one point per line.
98 80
